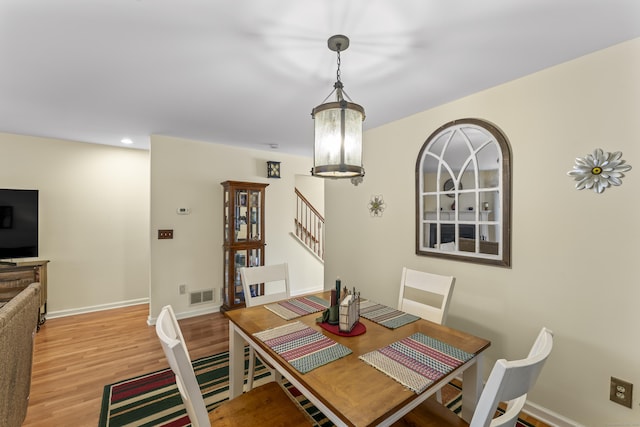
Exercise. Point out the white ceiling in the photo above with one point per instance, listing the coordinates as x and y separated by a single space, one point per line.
249 72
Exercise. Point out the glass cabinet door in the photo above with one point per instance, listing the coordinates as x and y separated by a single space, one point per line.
234 260
242 206
255 213
226 217
248 215
243 216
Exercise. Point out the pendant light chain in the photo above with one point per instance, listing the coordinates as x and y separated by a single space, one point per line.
338 70
338 85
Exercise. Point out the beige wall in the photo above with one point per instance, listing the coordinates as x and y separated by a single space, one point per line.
94 218
98 223
575 265
187 173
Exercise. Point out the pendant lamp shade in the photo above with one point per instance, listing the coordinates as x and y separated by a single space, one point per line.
338 131
338 140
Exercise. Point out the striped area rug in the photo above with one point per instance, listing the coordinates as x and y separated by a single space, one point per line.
153 400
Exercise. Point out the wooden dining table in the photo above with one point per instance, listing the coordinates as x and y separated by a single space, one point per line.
349 391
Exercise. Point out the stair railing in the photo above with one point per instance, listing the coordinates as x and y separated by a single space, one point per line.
309 225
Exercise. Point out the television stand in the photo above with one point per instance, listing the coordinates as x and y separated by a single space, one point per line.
15 276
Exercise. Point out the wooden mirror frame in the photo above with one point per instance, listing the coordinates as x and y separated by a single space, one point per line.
503 256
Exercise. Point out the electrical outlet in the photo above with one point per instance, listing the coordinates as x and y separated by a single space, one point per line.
621 392
182 289
165 234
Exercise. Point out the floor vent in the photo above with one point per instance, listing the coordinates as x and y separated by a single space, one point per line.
199 297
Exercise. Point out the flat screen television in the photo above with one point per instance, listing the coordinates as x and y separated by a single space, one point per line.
18 223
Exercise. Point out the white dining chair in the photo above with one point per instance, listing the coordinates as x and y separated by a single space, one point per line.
509 382
426 295
274 281
274 278
265 405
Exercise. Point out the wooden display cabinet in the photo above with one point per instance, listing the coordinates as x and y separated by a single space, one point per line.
243 216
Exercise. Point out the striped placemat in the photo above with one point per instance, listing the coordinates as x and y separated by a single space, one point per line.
391 318
417 361
304 348
296 307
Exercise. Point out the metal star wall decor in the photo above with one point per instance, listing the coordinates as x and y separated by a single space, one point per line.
599 170
376 205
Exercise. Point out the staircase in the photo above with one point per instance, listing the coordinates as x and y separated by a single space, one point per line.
309 226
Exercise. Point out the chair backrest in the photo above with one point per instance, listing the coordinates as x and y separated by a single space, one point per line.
510 381
175 350
272 276
425 294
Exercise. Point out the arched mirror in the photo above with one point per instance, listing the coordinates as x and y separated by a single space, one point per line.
463 194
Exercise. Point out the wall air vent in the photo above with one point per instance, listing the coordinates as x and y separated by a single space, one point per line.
200 297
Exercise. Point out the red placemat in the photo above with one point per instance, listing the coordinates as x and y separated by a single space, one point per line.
358 329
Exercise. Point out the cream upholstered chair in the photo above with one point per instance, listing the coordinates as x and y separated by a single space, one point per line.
425 294
509 382
275 279
266 405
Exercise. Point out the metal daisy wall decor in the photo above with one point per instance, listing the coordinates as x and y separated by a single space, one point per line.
599 170
376 205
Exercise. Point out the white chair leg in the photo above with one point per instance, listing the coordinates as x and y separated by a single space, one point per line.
439 396
252 368
275 375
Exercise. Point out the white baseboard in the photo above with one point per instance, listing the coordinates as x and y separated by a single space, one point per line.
150 320
187 314
547 416
298 292
91 309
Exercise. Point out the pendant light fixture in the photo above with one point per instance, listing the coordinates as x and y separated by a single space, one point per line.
338 129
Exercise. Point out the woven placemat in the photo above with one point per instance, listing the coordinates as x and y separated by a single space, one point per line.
303 347
417 361
296 307
389 317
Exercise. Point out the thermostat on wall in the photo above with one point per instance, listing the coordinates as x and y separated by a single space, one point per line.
183 211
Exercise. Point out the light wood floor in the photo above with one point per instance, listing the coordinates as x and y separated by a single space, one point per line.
76 356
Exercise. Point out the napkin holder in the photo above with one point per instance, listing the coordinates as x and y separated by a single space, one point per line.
349 312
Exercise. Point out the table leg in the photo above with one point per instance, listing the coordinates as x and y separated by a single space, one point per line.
236 362
471 388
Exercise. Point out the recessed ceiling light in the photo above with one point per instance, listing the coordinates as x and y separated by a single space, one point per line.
126 141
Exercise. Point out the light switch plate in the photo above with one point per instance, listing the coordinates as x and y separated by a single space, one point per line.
165 234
